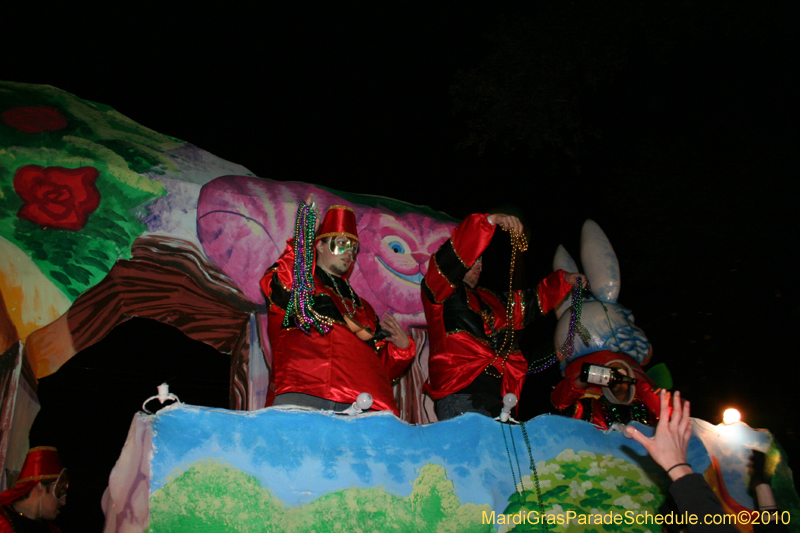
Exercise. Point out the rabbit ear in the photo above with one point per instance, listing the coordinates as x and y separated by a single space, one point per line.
600 262
562 260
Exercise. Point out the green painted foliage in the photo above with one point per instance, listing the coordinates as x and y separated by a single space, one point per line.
217 498
94 136
586 484
212 497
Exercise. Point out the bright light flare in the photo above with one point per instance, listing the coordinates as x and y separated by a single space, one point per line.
731 416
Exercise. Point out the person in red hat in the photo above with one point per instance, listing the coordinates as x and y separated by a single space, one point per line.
471 367
38 496
327 343
604 406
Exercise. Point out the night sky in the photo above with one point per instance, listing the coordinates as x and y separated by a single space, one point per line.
670 126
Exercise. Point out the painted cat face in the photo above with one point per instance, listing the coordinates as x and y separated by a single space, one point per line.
243 224
394 258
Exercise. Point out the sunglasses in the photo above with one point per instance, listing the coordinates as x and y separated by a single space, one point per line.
341 245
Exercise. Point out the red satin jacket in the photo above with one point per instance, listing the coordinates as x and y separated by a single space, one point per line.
464 323
337 366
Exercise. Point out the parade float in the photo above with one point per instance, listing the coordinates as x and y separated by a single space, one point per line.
102 220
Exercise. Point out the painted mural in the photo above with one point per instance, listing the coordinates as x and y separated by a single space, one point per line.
75 177
287 470
83 187
103 219
244 223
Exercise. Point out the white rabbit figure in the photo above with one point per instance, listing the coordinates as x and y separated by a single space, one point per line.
610 325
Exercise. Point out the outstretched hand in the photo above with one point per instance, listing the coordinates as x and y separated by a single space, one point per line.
575 278
669 444
310 203
508 222
396 336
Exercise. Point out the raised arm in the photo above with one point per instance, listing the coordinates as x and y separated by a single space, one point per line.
566 393
454 258
277 280
668 447
669 444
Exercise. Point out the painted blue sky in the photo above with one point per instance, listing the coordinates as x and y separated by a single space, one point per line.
301 455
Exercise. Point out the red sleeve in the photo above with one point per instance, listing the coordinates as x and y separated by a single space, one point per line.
451 261
283 269
578 411
566 393
650 399
5 526
552 290
471 237
396 360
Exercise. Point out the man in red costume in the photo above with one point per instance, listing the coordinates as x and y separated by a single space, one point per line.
329 370
38 496
605 406
467 323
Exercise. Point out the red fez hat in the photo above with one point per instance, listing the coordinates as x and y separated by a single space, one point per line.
41 464
339 220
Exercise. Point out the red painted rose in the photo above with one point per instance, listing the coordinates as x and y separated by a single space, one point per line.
57 197
34 119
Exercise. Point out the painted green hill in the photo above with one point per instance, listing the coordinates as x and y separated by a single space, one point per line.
218 498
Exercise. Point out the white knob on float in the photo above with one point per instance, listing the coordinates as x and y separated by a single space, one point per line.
362 403
163 395
509 401
163 392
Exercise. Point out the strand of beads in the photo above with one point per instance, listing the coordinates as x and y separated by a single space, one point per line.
519 243
534 367
565 352
575 327
535 476
350 309
510 463
301 299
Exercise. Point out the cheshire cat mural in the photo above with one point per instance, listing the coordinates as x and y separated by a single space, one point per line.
243 224
103 219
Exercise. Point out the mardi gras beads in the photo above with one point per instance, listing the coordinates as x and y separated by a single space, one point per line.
351 308
519 243
301 299
575 328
